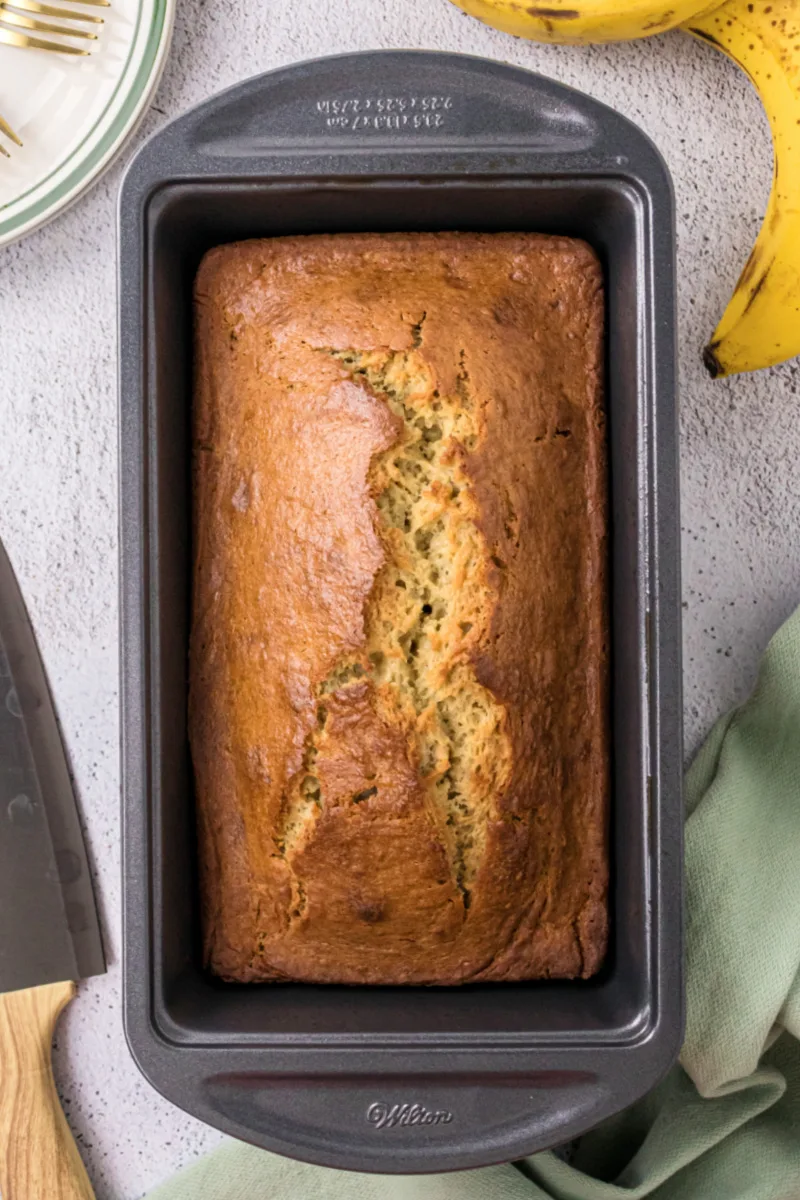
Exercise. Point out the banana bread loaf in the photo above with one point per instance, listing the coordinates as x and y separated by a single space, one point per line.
398 708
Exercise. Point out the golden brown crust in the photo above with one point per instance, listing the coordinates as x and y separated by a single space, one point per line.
326 852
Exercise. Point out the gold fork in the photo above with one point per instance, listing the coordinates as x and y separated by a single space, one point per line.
20 19
9 132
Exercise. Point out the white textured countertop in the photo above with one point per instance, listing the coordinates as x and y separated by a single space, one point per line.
58 474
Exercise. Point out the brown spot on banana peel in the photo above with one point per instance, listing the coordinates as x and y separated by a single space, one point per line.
555 14
750 268
660 22
758 287
707 37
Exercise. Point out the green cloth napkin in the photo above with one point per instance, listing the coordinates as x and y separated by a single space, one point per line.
725 1124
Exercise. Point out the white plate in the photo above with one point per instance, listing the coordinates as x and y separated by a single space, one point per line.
73 114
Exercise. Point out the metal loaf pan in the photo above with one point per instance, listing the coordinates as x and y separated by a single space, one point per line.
381 1079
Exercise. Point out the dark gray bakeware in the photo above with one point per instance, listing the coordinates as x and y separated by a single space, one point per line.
391 1079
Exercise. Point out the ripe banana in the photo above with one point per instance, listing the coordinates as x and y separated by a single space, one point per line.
761 326
584 21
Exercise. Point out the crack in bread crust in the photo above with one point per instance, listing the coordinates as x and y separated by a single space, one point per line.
429 610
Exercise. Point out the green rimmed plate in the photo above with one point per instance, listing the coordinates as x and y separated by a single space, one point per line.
74 114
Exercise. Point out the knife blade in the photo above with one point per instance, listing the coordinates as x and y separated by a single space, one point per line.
49 928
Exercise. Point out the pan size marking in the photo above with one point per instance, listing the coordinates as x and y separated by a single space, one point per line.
373 114
382 1115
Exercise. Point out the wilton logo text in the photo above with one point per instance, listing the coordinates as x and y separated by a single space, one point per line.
386 1116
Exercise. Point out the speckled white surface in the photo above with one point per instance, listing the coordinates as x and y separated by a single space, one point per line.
58 511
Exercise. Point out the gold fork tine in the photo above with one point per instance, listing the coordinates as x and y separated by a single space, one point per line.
50 10
14 19
11 18
24 40
9 132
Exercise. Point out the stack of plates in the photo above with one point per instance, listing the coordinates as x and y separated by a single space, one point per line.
73 114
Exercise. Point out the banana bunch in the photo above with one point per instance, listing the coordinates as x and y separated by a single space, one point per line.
761 325
579 22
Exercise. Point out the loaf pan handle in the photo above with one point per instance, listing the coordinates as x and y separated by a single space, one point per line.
391 111
398 1124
